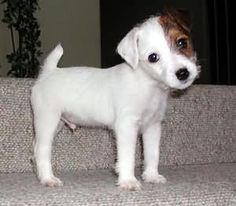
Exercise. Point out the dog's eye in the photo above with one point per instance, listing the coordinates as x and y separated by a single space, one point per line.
154 57
182 43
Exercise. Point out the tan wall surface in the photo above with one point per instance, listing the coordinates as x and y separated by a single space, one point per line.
74 23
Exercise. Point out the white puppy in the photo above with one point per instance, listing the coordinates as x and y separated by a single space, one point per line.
129 98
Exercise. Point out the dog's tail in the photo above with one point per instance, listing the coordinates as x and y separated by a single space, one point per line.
51 61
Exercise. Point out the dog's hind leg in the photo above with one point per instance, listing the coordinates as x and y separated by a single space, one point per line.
46 121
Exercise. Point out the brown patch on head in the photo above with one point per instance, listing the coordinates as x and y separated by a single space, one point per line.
176 27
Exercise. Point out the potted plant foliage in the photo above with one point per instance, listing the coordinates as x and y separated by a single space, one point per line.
25 32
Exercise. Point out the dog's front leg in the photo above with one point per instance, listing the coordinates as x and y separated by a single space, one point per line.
126 135
151 143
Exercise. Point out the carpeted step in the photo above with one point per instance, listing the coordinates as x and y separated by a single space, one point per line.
196 185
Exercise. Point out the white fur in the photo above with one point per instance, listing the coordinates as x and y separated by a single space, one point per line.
129 98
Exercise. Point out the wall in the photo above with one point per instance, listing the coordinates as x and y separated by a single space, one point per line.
76 24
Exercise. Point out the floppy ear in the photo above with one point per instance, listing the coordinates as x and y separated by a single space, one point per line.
128 48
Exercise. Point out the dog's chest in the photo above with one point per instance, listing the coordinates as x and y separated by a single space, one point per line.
155 108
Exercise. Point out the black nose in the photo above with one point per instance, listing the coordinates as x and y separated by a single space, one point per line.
182 74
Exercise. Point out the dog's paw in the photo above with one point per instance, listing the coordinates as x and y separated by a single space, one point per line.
52 182
153 177
130 184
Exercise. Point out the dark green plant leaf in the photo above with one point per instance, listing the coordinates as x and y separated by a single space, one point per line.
19 15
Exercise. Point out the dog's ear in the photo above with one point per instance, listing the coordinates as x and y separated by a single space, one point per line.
128 48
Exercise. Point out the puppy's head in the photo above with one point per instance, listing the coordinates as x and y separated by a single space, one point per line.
162 47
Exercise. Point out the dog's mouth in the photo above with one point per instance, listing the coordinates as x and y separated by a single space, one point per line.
186 83
183 82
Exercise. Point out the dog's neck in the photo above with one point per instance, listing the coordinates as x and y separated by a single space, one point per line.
150 80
